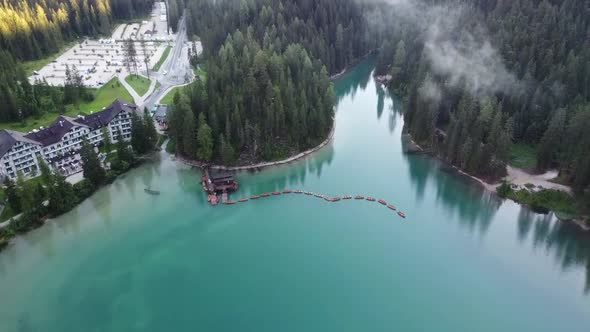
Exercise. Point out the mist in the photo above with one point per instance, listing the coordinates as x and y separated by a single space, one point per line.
465 57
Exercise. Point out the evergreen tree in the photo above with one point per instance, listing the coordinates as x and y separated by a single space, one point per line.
61 195
204 139
138 133
106 140
12 196
551 142
93 170
189 136
151 135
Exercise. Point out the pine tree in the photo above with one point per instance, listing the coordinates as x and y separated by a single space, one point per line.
204 139
61 195
106 140
189 136
151 135
138 134
93 170
12 196
146 56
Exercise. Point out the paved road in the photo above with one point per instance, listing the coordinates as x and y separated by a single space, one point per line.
177 68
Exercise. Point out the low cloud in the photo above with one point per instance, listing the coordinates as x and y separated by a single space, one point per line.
461 53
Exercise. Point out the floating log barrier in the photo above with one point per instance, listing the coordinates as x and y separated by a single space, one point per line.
298 191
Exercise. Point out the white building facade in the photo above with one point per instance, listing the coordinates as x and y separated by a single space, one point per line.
59 144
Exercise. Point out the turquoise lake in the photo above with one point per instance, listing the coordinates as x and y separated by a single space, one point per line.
463 260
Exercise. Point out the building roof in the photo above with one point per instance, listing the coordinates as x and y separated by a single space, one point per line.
102 118
161 111
56 131
9 137
53 133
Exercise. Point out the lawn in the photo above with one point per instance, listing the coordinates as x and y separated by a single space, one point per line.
523 156
103 97
139 83
169 97
162 58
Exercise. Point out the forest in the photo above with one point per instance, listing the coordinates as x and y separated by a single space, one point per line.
257 103
267 94
332 31
35 28
479 76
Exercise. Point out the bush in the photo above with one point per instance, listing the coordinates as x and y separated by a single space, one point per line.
83 189
504 190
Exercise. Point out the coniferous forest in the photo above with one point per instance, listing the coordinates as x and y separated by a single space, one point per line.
34 28
479 76
267 92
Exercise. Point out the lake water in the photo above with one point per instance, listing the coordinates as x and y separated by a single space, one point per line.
462 260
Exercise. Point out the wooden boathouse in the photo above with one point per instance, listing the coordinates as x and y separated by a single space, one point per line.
215 183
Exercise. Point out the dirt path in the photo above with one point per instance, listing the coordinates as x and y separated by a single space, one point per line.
520 177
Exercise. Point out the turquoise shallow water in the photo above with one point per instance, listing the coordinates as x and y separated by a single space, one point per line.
461 261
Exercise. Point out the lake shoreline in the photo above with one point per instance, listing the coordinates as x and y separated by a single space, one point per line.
261 165
491 187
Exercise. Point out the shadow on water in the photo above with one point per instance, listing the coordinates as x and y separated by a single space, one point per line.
562 240
476 208
349 83
290 176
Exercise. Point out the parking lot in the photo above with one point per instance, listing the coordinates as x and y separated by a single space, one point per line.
99 60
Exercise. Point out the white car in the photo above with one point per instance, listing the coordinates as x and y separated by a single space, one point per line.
165 72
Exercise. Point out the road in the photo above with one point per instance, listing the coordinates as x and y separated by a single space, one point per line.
176 70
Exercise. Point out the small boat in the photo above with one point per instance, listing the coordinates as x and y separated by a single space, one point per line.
287 191
264 195
242 200
359 197
319 195
382 202
276 193
347 197
308 193
391 206
255 197
298 191
401 214
335 199
370 199
151 191
229 202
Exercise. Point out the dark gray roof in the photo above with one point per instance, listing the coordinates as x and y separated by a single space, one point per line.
63 124
9 137
53 133
161 111
6 142
102 118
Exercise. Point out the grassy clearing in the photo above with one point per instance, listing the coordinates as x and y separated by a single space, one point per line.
544 200
200 71
30 66
162 58
103 97
523 156
169 97
140 84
